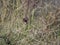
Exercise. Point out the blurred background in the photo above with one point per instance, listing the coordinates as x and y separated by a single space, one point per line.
29 22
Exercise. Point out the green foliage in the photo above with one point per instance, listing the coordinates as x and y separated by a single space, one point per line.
43 27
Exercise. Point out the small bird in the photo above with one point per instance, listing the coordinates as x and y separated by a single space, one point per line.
25 20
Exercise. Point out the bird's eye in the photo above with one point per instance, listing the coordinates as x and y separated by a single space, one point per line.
25 19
